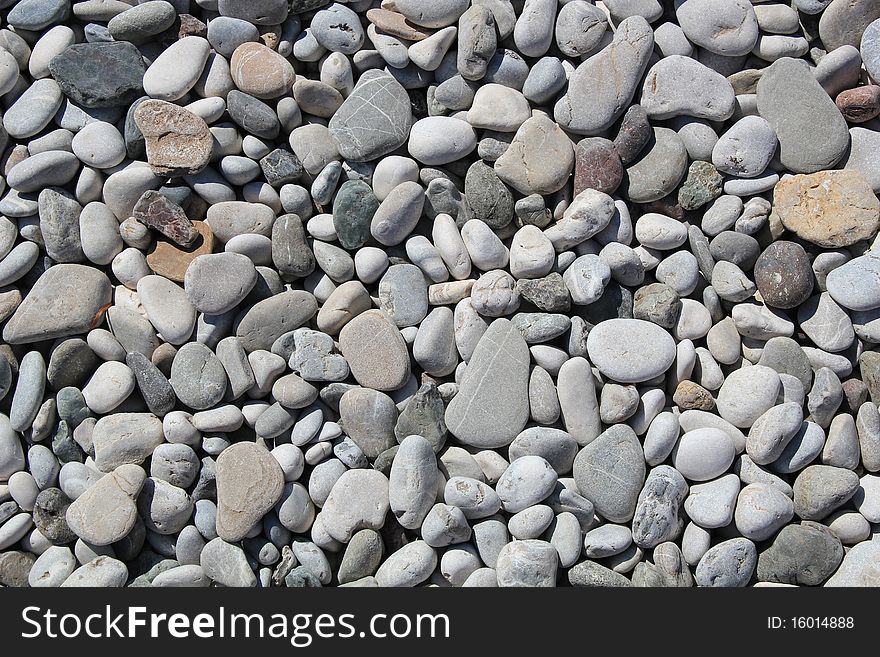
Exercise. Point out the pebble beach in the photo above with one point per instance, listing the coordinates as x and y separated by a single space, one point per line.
449 293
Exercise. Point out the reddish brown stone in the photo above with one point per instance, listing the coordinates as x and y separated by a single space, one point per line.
172 260
157 212
860 104
855 392
597 166
396 25
667 205
191 26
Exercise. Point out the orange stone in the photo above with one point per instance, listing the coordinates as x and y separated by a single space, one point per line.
171 260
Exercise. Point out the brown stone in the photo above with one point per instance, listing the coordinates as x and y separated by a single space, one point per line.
597 166
745 82
689 395
156 211
10 299
17 155
667 205
855 392
191 26
390 22
249 483
828 208
783 275
172 260
270 36
178 142
860 104
260 71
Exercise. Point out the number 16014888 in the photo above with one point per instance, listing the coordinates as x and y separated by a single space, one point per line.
811 623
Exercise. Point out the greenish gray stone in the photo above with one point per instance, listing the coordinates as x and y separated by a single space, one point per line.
488 199
549 294
657 303
362 556
153 385
353 210
423 416
64 446
301 577
820 489
72 407
70 364
702 185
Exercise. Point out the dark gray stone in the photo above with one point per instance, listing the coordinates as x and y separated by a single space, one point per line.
154 387
100 74
803 555
281 166
70 364
49 516
252 114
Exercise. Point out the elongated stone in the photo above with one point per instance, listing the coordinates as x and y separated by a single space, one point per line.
602 87
486 413
249 483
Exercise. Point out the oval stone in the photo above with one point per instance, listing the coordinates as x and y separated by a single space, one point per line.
630 350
